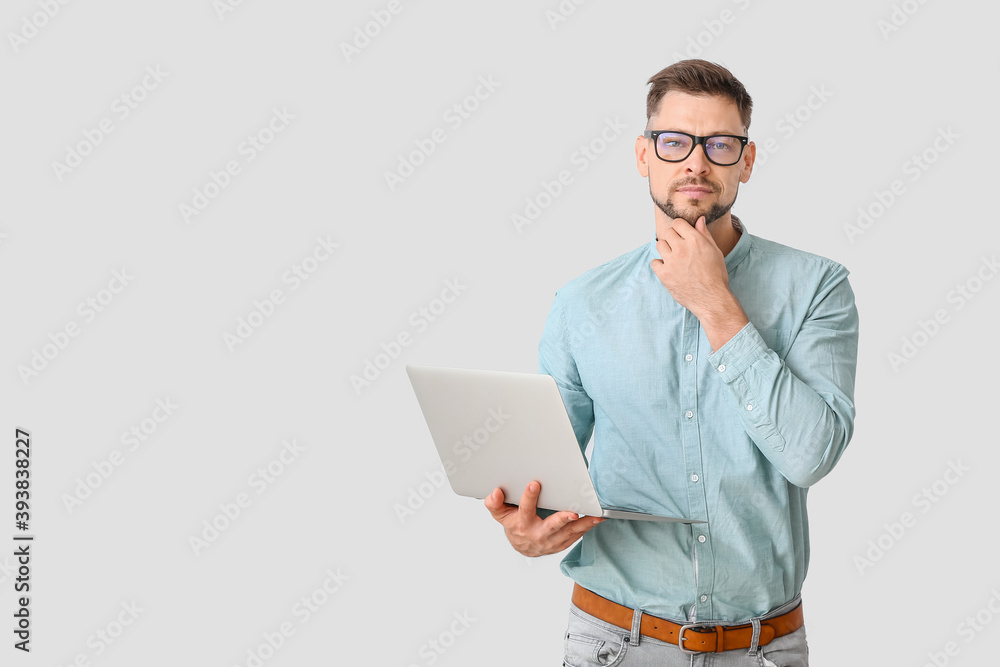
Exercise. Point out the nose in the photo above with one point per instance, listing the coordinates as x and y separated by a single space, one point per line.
697 162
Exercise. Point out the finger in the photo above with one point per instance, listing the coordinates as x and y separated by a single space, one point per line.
529 499
703 228
572 522
574 530
700 226
661 227
584 523
681 228
559 520
494 503
678 230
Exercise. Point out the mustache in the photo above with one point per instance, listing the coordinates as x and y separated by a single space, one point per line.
695 182
674 187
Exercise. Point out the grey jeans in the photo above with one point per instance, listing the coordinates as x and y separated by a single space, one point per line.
591 642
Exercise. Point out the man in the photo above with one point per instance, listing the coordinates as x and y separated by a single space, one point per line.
715 370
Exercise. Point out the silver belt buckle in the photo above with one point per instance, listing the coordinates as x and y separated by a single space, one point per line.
681 637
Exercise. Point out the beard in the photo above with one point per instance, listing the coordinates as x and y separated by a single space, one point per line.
691 213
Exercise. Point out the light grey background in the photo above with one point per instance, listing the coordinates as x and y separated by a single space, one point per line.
557 83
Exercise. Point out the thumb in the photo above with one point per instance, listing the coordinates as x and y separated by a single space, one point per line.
700 226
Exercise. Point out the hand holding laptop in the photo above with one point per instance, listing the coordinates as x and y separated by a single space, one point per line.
531 535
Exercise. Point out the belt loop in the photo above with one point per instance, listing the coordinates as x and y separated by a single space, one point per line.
755 621
633 638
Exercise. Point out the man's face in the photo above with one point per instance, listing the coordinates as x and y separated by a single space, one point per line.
695 186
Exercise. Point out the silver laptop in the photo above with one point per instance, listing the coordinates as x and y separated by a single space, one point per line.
500 429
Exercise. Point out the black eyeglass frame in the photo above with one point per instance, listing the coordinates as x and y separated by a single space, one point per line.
654 134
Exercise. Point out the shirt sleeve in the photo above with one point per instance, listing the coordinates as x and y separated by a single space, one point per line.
555 358
799 410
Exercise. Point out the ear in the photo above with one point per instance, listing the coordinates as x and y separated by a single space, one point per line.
749 155
641 153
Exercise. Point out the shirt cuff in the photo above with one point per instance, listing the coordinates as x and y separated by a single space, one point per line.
739 353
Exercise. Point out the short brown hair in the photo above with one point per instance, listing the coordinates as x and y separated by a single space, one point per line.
698 77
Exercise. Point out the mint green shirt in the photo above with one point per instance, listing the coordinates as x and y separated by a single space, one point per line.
734 437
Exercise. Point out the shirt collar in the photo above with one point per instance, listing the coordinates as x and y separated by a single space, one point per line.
735 256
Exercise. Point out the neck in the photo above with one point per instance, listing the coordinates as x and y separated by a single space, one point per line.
724 233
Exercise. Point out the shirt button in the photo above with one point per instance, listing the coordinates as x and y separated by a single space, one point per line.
701 538
689 414
688 357
722 368
704 598
694 477
749 406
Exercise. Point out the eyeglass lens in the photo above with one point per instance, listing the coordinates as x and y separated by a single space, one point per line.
721 150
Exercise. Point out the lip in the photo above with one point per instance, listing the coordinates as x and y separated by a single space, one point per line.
694 191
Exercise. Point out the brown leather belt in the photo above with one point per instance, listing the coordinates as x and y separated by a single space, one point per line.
692 637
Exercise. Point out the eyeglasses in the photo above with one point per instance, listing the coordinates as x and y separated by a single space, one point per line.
724 150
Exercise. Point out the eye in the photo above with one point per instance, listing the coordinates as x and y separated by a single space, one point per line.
673 140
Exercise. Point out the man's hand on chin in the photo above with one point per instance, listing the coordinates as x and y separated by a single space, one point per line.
693 269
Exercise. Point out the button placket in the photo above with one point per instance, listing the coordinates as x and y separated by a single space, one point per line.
702 553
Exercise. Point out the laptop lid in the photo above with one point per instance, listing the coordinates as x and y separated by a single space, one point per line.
505 429
499 428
